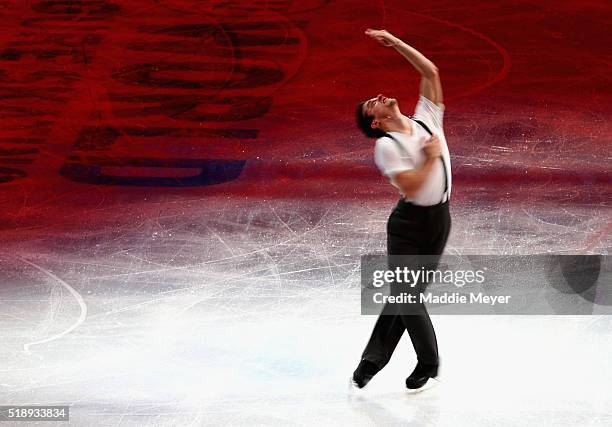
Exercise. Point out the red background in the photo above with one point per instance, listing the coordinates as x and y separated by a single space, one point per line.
145 90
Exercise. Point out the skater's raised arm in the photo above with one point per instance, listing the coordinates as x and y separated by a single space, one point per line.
431 87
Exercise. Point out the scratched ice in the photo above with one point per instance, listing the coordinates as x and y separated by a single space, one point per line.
211 311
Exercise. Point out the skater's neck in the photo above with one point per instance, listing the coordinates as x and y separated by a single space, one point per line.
401 124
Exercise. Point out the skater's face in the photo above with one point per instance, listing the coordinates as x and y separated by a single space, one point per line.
380 108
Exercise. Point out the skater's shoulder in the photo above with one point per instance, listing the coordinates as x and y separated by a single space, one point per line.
392 137
389 143
384 142
385 139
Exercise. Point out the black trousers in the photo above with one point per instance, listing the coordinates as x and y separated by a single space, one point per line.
411 230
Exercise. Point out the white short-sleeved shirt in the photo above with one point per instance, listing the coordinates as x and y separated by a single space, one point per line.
391 160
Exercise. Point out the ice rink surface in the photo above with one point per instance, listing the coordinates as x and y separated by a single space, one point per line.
213 312
185 200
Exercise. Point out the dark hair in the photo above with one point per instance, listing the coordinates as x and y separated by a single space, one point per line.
364 122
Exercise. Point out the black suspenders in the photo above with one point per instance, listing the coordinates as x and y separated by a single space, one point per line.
424 126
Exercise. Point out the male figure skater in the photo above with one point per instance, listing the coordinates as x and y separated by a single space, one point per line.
412 153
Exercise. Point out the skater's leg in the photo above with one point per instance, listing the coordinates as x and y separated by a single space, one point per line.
419 325
386 334
402 238
423 337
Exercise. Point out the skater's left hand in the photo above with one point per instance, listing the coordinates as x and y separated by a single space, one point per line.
382 36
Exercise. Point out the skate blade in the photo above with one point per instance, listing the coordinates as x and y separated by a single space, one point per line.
353 390
431 383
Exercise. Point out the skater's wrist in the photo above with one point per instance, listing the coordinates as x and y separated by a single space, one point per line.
394 41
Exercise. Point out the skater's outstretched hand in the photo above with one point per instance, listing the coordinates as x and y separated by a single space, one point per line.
431 88
382 36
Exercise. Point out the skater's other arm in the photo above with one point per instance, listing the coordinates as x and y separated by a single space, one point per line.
431 87
410 181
